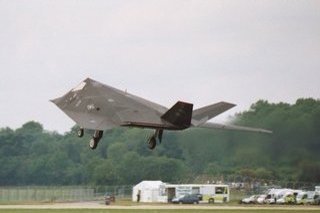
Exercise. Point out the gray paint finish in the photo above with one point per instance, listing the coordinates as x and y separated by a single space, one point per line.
93 105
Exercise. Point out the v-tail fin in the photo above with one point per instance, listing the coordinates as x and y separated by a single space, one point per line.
202 115
179 115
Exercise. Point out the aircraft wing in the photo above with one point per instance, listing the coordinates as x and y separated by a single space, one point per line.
93 105
233 127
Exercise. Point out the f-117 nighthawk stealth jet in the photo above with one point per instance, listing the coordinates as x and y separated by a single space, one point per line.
93 105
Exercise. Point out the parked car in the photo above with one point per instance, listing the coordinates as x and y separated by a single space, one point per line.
250 200
305 197
287 199
316 199
311 197
273 195
261 199
187 199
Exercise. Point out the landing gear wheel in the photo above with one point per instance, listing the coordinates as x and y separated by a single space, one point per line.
152 142
93 143
80 132
97 135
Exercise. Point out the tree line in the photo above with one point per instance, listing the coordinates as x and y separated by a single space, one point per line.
31 155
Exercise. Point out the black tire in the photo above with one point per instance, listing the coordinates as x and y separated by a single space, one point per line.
80 132
93 143
152 142
211 201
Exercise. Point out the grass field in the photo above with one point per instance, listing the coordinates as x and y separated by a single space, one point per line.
127 206
152 211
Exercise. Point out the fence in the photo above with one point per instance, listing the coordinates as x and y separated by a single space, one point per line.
61 193
45 194
124 191
84 193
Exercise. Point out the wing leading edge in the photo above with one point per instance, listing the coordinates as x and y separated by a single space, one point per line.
93 105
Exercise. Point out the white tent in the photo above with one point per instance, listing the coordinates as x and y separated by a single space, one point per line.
149 191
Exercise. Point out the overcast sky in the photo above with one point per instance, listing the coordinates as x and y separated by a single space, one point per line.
167 50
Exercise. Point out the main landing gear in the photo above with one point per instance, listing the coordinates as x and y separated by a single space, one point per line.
152 141
97 135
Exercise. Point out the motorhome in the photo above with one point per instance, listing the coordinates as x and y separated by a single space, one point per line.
207 193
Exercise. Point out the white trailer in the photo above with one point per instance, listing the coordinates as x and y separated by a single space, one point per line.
207 193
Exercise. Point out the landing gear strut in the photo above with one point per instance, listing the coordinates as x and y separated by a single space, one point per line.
152 141
97 135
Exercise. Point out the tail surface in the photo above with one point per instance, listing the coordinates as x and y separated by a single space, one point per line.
202 115
179 115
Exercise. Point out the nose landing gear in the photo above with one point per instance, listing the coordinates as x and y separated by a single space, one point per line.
80 132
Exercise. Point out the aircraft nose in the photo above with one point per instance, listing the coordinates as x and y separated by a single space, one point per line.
56 101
